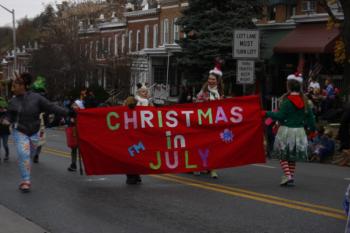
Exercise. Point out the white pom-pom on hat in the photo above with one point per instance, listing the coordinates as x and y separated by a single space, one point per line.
217 70
296 76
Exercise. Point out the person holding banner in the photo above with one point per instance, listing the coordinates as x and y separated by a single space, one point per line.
212 90
291 141
24 110
78 104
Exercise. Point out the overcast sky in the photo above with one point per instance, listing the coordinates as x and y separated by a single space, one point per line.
23 8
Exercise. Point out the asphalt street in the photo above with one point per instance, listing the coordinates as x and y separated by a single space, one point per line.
244 200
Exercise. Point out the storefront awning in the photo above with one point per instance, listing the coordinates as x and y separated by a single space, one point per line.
308 38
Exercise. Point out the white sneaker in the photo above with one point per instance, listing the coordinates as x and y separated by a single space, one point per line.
213 174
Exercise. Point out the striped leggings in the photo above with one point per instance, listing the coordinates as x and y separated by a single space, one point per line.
288 168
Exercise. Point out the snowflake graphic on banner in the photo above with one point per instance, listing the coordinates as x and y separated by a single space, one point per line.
227 136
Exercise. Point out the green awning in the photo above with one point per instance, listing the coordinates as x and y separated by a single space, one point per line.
269 39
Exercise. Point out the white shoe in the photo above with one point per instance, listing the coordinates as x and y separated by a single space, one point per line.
213 174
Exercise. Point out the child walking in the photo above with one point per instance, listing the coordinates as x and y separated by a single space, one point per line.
291 142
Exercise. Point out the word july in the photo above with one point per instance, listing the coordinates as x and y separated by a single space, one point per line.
160 119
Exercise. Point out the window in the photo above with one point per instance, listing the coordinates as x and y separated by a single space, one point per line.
166 31
146 33
271 13
176 31
91 47
96 49
103 47
155 36
115 45
138 37
308 6
86 49
130 41
109 46
123 43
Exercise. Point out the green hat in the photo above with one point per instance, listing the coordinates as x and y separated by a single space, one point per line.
39 84
3 102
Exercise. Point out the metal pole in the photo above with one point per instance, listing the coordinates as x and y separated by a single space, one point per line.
14 40
14 36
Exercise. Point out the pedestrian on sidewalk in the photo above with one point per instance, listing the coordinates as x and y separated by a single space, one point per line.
24 110
212 90
4 127
77 104
291 142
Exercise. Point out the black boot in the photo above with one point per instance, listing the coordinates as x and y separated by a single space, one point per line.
36 159
6 154
72 168
131 179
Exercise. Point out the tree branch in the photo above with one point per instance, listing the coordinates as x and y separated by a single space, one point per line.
324 5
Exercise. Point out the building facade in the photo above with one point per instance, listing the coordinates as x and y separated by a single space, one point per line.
296 37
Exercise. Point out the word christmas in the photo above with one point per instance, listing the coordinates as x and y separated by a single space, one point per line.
158 118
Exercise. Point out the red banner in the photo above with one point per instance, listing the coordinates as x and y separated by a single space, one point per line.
171 139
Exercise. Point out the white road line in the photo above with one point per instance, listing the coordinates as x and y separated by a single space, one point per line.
96 179
265 166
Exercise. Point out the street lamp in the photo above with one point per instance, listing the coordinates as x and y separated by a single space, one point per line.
14 36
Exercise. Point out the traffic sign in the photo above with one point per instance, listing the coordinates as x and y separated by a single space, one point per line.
246 44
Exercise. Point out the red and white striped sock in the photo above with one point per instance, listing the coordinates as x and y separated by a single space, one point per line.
292 166
285 168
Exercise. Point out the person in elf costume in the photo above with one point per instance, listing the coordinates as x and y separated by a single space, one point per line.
212 90
291 141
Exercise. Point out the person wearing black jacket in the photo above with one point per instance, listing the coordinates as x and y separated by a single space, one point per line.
24 110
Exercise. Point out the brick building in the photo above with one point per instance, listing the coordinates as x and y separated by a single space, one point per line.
295 37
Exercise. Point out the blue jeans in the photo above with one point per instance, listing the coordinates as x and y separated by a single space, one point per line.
26 147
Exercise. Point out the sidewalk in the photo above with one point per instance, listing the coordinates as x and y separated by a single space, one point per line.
10 222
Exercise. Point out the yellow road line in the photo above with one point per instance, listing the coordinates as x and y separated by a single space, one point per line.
256 198
303 206
258 194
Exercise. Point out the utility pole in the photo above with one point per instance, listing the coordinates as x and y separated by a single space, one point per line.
14 36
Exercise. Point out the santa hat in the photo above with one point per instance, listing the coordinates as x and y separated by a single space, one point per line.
296 76
141 86
217 70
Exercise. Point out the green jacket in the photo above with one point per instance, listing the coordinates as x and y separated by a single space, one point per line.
294 117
